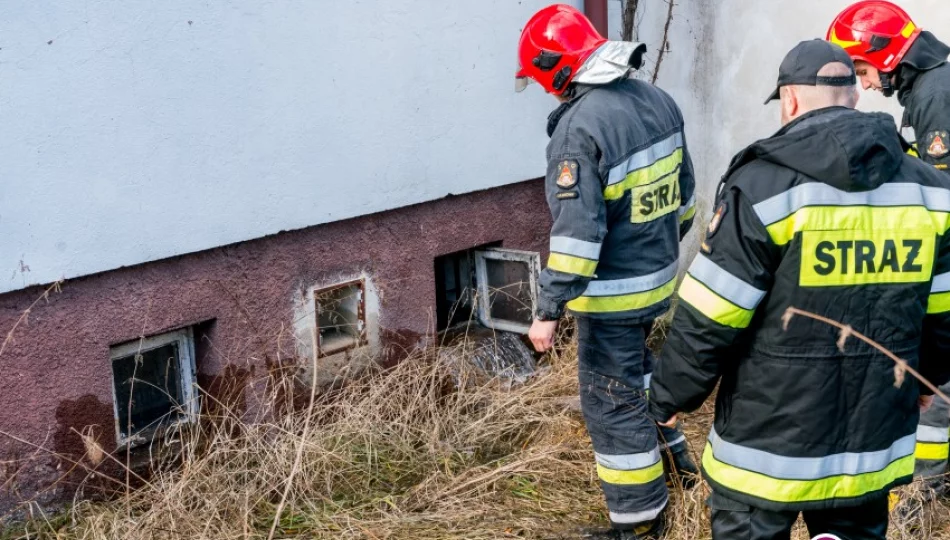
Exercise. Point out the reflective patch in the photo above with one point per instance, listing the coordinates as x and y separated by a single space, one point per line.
712 305
840 258
799 491
572 265
932 451
634 477
858 218
566 195
938 303
816 194
725 284
808 468
575 247
932 434
936 143
644 158
646 175
626 302
618 287
656 200
567 174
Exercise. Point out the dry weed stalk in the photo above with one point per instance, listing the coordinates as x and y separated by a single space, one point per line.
847 331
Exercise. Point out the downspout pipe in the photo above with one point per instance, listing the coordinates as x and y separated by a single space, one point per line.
596 11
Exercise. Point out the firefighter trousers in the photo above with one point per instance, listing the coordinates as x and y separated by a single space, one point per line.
932 443
614 366
733 520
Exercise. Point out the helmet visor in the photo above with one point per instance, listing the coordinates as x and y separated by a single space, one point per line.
522 82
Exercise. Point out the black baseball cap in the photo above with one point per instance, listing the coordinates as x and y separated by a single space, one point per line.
802 64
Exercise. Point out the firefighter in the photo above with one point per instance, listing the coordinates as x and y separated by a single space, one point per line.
619 186
893 55
831 216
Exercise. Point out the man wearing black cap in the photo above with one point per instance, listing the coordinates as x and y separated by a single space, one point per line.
828 215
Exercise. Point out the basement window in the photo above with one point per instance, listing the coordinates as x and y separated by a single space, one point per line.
454 289
341 318
507 282
153 382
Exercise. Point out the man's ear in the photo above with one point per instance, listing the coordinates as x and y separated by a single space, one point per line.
790 101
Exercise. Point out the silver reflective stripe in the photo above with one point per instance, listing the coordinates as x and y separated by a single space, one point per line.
941 283
645 158
787 203
725 284
629 462
679 440
646 380
685 208
793 468
577 248
617 287
930 434
638 517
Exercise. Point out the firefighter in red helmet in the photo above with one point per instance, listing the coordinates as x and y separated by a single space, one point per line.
893 55
620 188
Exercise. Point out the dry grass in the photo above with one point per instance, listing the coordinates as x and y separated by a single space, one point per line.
432 449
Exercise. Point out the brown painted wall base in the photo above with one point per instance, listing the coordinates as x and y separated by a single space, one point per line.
56 375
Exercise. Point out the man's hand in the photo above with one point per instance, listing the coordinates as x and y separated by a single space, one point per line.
671 423
541 334
924 402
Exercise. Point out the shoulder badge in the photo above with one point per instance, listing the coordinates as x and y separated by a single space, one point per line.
716 220
567 174
937 142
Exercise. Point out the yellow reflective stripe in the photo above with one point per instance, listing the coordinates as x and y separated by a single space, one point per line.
844 44
626 478
793 491
644 176
912 151
572 265
938 303
932 451
712 305
624 302
909 29
688 215
858 218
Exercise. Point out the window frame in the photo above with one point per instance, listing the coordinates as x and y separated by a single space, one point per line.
530 258
361 338
188 383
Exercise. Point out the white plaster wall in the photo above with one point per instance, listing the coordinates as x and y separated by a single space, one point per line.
133 131
723 61
749 41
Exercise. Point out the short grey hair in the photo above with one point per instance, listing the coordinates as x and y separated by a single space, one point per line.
818 97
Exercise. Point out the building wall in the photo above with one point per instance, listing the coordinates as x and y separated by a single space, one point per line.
135 131
723 61
244 299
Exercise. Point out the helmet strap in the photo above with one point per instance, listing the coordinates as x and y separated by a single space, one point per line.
887 88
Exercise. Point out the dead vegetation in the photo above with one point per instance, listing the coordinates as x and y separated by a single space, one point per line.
431 449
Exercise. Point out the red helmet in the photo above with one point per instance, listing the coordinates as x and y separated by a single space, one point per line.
554 44
876 31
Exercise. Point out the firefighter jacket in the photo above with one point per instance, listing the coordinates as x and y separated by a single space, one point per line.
829 216
620 188
923 88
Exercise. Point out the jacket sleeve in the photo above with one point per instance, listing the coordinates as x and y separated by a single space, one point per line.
575 195
687 211
718 296
931 121
935 345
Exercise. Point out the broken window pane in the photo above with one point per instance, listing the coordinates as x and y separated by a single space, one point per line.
148 391
340 319
507 288
509 291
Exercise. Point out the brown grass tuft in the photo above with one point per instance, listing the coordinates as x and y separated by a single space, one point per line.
431 449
